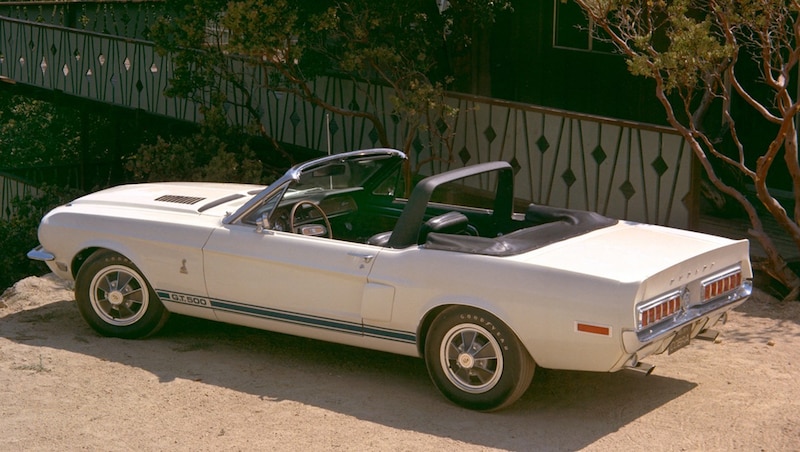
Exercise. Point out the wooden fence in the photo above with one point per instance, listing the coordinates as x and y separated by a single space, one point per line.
622 169
11 188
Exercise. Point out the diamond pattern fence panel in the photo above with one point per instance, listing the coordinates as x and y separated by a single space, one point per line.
12 187
114 70
626 170
290 119
131 19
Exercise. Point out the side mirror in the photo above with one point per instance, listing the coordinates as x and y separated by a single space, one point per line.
262 223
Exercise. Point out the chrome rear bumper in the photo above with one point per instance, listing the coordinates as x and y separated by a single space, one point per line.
635 342
693 313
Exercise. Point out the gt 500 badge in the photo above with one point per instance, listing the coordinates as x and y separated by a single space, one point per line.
188 299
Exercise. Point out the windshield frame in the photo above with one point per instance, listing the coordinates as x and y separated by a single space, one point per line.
294 175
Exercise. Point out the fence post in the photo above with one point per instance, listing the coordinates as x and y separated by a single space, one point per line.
84 146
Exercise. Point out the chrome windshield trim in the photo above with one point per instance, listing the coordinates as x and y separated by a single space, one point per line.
727 301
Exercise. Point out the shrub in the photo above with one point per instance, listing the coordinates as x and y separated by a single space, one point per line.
18 234
215 153
195 158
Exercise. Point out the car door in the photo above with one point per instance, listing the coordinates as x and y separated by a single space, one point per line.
287 282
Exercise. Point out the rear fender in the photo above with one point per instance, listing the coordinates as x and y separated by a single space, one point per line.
435 307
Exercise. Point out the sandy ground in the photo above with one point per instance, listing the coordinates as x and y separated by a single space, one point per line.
200 385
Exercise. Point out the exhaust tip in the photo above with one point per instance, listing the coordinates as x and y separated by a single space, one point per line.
642 368
708 335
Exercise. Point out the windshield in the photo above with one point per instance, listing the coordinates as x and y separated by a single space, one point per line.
338 174
366 170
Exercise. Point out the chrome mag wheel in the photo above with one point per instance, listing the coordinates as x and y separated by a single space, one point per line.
471 358
119 295
115 299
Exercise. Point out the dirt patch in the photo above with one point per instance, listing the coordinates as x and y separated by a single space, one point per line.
201 385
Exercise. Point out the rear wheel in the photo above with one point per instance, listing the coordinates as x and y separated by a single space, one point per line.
475 360
115 299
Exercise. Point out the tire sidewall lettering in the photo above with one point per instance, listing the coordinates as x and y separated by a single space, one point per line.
517 365
488 324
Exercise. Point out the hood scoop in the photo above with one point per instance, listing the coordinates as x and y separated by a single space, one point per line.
177 199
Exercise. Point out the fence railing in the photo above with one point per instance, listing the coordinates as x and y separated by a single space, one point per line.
622 169
110 69
11 188
20 182
125 18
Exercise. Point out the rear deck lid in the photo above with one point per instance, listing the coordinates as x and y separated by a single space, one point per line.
631 252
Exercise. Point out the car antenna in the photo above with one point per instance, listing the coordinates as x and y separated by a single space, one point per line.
328 135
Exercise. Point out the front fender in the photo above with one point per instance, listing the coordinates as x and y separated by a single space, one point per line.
169 255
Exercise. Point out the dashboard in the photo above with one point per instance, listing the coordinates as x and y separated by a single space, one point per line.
334 207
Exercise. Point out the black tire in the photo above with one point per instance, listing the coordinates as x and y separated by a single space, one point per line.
115 299
475 360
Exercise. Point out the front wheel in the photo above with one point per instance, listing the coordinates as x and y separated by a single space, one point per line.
475 360
115 299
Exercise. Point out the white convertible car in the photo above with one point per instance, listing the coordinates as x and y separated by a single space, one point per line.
453 274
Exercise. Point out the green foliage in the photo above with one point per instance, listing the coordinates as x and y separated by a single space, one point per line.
196 158
216 45
722 71
214 154
18 235
677 41
34 133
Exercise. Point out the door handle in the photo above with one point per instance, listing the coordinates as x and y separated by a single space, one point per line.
367 258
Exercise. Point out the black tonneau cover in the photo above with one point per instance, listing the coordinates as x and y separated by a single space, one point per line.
547 225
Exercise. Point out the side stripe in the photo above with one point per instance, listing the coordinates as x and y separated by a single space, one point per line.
286 316
289 317
394 335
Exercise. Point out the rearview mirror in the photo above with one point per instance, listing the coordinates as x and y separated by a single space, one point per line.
330 170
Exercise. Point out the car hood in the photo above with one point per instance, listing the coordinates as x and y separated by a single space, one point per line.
633 252
188 197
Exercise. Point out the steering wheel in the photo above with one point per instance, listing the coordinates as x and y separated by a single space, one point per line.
317 208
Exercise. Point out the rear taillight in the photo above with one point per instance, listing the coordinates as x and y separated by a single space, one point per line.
721 284
660 309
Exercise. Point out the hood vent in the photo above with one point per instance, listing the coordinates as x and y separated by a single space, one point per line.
179 199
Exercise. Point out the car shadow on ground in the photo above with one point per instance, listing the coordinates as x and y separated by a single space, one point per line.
562 410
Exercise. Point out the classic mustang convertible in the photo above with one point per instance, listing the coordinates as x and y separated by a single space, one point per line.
483 287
